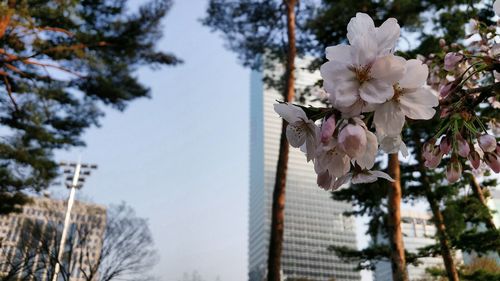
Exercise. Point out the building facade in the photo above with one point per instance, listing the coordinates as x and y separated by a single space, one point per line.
30 240
418 231
313 220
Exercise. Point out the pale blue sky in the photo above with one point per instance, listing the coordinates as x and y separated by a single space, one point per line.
181 158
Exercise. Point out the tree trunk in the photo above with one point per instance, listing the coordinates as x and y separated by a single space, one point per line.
278 205
478 192
398 260
446 254
5 19
444 241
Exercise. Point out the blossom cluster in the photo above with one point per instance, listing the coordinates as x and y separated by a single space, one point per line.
368 87
464 135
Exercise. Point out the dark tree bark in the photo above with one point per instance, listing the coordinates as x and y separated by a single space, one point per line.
444 241
278 207
398 259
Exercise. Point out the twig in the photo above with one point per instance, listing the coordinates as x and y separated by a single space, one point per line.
9 91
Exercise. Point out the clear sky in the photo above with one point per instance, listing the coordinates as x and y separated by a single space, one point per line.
181 158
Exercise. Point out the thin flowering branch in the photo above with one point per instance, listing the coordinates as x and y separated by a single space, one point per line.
366 84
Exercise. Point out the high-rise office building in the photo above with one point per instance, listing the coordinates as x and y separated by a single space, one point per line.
30 239
418 232
313 220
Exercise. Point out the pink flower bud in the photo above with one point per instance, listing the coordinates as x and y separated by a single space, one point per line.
446 90
493 161
453 171
428 148
451 60
324 180
433 159
445 112
488 143
463 146
442 42
327 129
474 159
352 139
445 145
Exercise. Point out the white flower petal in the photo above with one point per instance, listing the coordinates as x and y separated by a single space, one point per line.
389 69
296 135
380 174
387 35
419 104
376 91
367 159
333 71
291 113
340 53
340 181
496 7
311 142
404 149
344 94
339 164
365 50
363 178
415 76
360 26
389 119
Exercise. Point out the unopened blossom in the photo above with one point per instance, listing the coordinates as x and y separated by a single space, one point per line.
300 130
324 180
492 160
327 129
367 159
366 69
359 143
411 99
451 60
496 7
488 143
463 146
475 159
433 158
453 171
352 139
445 90
445 145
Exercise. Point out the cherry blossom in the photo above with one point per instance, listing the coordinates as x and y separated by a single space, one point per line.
300 129
488 143
411 99
366 69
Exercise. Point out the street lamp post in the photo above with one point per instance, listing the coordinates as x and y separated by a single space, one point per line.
74 182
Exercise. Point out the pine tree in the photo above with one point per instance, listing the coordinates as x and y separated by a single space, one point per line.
61 63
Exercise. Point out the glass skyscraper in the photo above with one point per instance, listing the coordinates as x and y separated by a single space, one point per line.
313 221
